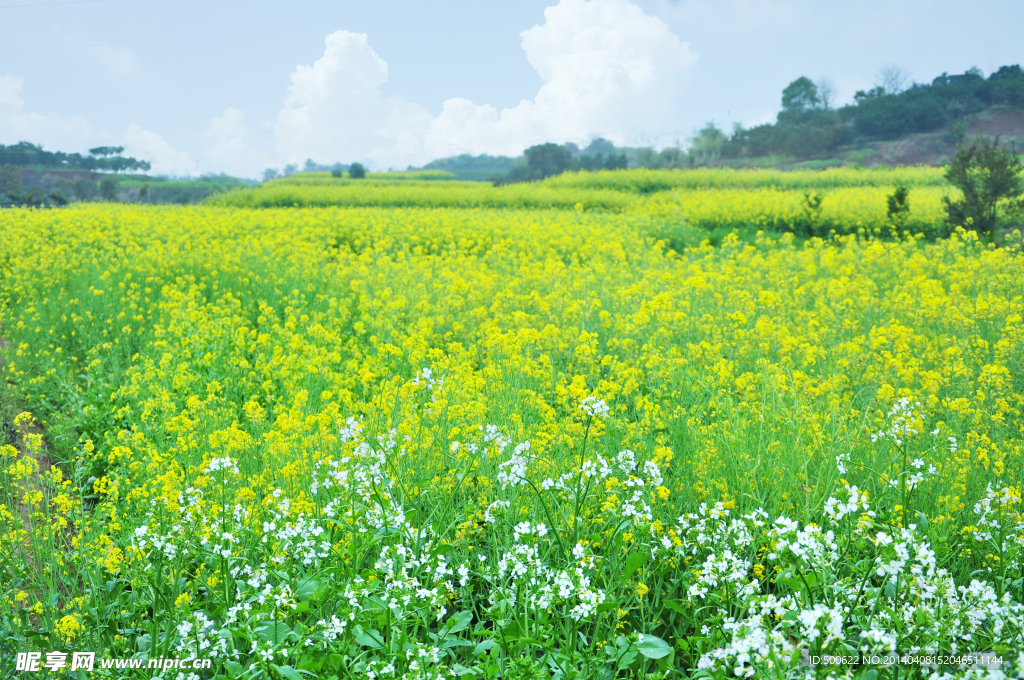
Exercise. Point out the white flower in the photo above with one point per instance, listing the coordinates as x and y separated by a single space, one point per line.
226 463
594 407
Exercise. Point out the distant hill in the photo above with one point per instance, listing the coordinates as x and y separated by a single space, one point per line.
478 168
892 124
55 186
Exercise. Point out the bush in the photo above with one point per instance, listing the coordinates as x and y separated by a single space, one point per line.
356 171
989 177
108 188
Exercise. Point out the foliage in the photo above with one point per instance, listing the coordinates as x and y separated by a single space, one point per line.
356 171
11 188
476 168
898 208
505 443
103 158
989 177
707 145
882 114
800 96
806 127
108 188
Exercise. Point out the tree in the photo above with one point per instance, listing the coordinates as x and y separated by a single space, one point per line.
706 146
898 203
108 188
10 184
106 151
356 171
989 177
545 160
800 95
269 174
615 161
826 92
891 79
600 147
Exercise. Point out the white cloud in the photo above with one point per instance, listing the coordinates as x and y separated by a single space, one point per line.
53 131
10 94
334 110
149 146
120 60
228 151
608 69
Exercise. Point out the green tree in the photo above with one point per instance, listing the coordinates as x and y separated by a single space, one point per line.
706 146
108 188
356 171
800 95
989 177
10 184
898 208
106 151
545 160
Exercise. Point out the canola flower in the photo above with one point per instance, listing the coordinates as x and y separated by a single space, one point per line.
672 204
421 442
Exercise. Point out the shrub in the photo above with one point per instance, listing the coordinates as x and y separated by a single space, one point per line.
989 176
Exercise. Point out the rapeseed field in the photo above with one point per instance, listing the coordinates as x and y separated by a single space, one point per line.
558 439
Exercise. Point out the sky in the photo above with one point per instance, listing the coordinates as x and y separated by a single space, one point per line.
225 86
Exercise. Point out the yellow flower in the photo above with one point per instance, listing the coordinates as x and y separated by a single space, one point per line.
69 627
642 589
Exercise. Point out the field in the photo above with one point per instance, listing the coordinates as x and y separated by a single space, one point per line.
680 207
414 428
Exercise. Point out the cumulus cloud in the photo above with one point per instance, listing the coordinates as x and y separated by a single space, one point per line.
608 69
335 110
228 151
53 131
149 146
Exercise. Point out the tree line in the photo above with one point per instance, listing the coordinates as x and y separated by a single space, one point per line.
99 159
809 126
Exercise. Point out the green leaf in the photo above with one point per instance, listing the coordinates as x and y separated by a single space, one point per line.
634 562
653 647
871 675
457 623
370 638
678 606
274 631
484 646
922 520
288 672
307 589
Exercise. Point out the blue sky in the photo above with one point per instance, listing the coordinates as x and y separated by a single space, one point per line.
237 87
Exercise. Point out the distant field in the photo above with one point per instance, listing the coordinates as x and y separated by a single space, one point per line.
677 204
